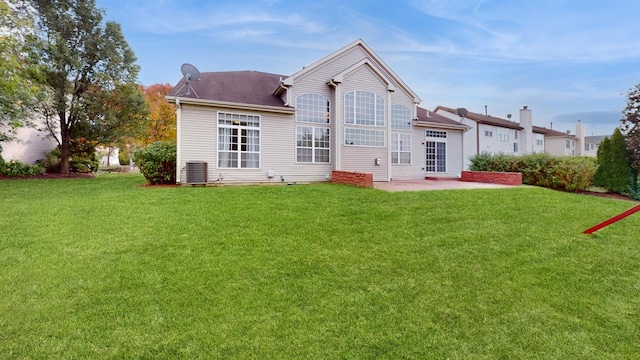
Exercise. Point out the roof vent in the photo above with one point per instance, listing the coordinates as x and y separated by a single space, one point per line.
196 172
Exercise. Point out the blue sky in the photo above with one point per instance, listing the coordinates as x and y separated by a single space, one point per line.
565 59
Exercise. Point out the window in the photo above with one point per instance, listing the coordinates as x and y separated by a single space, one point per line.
489 131
502 134
586 146
238 141
401 148
363 137
515 147
435 134
567 143
400 117
363 108
312 108
312 144
539 139
515 134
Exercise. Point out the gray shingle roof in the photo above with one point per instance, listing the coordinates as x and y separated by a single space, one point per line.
430 116
485 119
243 87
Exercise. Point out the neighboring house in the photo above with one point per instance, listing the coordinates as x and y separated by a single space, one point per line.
496 135
30 146
347 111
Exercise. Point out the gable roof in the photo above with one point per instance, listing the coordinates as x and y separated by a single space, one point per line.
485 119
556 133
373 59
239 87
428 118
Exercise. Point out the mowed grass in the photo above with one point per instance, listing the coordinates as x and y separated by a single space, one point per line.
104 268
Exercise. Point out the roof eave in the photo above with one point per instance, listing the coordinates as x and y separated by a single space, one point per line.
232 105
461 127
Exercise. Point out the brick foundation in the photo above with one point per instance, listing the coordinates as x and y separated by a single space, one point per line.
352 178
490 177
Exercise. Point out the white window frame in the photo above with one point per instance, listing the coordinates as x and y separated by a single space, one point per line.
400 117
359 109
503 134
400 144
364 137
312 108
242 139
539 139
315 148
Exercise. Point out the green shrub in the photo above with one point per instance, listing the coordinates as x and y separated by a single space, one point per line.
123 158
18 169
561 173
157 162
83 158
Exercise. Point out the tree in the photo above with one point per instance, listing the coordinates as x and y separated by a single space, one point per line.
614 169
162 117
618 180
631 125
603 171
18 72
84 59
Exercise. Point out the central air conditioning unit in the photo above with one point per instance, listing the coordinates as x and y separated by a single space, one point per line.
196 172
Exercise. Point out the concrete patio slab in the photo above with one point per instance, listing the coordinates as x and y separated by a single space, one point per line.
422 185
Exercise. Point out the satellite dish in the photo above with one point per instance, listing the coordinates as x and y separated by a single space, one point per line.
509 116
462 112
190 72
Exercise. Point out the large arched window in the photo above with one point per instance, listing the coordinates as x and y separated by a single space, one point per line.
400 117
312 108
363 108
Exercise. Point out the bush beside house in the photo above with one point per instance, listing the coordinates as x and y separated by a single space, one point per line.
566 173
157 162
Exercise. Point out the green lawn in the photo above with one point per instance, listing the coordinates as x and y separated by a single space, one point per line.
104 268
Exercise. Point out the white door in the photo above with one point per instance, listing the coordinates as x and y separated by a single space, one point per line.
436 155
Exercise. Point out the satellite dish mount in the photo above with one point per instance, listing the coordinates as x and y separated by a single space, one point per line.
462 112
190 73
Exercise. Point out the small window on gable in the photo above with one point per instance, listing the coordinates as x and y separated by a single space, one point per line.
400 117
312 108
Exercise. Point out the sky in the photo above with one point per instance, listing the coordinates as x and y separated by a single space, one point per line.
566 60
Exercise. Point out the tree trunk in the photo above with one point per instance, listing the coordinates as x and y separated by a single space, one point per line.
65 150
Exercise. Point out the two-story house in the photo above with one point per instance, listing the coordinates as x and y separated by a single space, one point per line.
347 111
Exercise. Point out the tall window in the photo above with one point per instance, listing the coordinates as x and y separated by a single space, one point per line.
312 108
400 117
312 144
363 108
238 141
401 148
539 139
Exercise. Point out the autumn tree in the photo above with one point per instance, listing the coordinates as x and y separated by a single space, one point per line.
84 59
631 125
162 115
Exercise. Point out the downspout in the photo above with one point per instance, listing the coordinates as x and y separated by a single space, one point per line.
178 141
337 124
387 124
